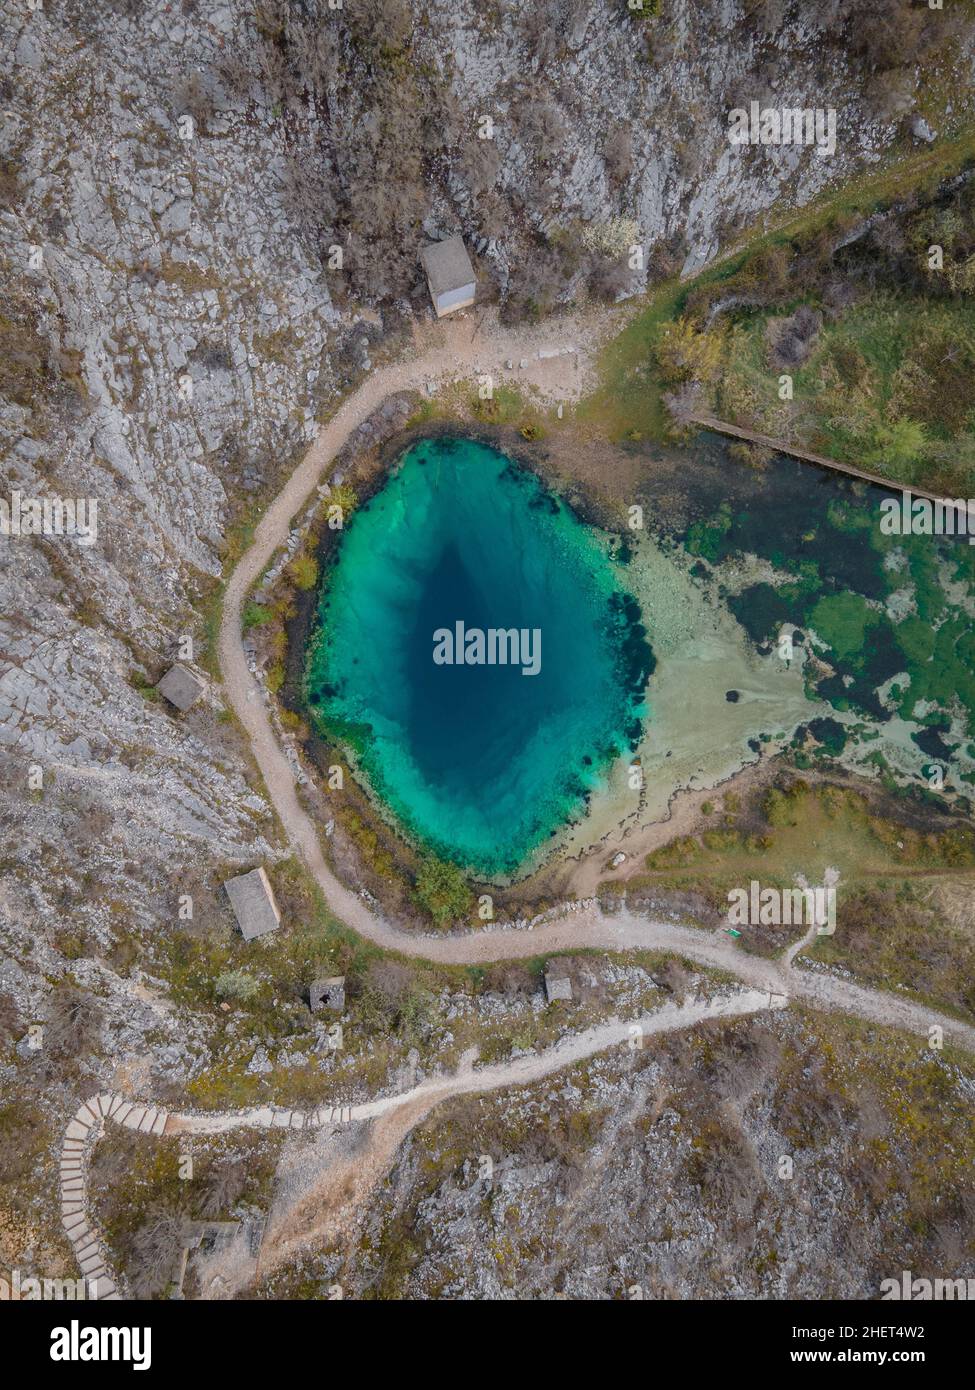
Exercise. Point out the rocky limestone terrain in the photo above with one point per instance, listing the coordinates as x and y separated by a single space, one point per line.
769 1158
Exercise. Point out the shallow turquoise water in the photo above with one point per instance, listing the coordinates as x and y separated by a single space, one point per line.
480 762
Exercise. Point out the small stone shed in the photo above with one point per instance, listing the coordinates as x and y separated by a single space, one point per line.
328 994
252 900
180 687
450 275
557 986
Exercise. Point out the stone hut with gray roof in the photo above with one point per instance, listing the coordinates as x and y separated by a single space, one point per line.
450 275
180 687
328 994
252 900
557 986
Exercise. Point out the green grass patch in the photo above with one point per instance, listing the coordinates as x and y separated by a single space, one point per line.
628 401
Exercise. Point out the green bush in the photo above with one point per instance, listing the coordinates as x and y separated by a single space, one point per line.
442 891
236 984
303 571
254 615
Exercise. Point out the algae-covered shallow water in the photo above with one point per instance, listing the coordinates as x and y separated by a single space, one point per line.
882 675
482 760
888 617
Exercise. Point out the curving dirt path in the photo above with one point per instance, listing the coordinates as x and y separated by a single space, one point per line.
330 1204
317 1213
456 352
326 1209
768 984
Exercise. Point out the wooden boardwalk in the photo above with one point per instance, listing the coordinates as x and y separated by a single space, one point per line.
709 422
